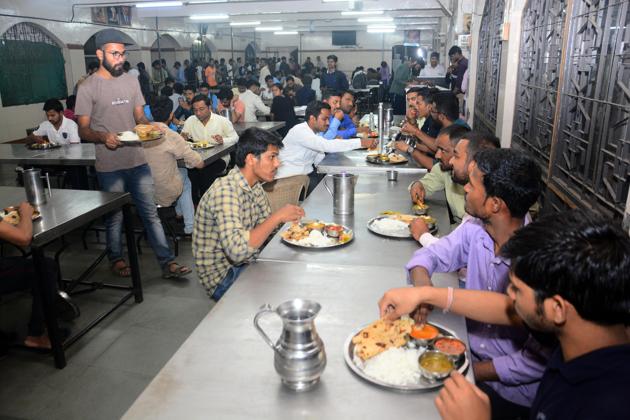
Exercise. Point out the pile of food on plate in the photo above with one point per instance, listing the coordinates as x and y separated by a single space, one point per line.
201 145
404 353
147 132
11 215
420 208
408 218
317 234
386 158
42 146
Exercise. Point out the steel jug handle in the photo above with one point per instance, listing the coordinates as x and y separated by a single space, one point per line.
326 185
265 309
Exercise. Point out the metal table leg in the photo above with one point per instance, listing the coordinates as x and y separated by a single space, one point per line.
48 304
133 253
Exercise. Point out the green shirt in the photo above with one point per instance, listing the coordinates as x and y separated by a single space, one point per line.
401 76
438 180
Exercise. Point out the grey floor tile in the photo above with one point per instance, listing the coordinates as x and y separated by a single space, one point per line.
141 350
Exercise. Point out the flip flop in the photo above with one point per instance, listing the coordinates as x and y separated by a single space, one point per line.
124 271
180 271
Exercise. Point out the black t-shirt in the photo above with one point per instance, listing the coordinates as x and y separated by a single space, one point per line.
593 386
282 110
430 127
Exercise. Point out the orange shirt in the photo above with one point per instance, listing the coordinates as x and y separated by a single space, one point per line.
211 72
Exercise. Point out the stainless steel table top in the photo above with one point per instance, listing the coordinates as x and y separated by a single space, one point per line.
69 155
66 210
265 125
225 370
354 162
373 194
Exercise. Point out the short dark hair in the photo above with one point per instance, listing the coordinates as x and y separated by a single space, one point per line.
225 93
203 98
454 50
328 93
204 85
189 87
71 101
512 176
177 64
446 103
332 57
268 77
166 91
346 92
169 80
278 85
126 66
53 105
255 141
479 141
242 82
582 257
161 108
178 88
141 66
289 78
314 108
307 80
155 63
252 83
424 92
454 132
435 54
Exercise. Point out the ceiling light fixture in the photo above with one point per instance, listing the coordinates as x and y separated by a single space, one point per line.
206 1
362 13
381 30
285 33
376 19
268 28
209 17
159 4
335 1
251 23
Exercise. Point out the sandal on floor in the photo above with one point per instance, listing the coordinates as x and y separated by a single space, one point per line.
123 271
180 271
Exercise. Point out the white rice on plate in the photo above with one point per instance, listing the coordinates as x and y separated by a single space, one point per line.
389 226
316 239
396 366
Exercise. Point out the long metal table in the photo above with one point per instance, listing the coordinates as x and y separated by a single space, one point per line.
225 370
354 162
265 125
64 212
373 194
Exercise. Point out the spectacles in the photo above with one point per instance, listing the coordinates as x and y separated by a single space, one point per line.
117 54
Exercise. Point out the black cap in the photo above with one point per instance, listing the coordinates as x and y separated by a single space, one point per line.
110 36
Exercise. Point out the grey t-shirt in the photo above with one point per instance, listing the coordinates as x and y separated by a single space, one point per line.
110 104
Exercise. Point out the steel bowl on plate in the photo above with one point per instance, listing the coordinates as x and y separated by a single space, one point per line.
435 365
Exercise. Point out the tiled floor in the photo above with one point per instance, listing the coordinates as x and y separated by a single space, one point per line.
110 366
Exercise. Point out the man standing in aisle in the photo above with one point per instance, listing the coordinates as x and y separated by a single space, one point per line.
402 74
334 79
455 72
110 102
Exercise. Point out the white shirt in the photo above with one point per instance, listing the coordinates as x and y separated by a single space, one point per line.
266 94
315 85
217 124
134 72
175 99
253 103
264 72
437 71
68 132
303 149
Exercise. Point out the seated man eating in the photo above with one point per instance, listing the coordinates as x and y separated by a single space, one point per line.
234 219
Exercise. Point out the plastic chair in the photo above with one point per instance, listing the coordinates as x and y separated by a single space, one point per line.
285 191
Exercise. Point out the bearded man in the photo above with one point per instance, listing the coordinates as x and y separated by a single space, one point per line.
109 102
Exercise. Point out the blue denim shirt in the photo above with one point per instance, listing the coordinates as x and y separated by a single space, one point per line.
344 128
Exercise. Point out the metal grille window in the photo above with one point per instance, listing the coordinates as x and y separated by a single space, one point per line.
592 153
33 67
539 70
488 67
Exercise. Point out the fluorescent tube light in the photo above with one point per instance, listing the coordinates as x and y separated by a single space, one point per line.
209 17
376 19
250 23
268 28
335 1
159 4
285 33
381 30
362 13
206 1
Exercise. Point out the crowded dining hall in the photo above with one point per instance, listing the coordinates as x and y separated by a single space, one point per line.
328 209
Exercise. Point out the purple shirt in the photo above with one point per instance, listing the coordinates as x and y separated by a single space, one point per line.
518 358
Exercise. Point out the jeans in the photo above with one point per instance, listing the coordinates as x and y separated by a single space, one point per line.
227 281
18 273
185 206
139 183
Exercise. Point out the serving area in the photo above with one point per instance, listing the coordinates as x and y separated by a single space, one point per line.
355 162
